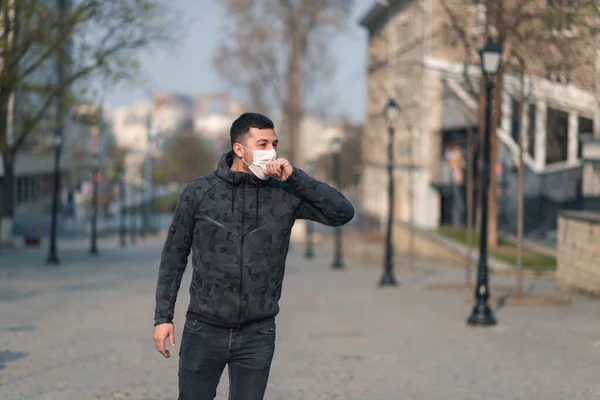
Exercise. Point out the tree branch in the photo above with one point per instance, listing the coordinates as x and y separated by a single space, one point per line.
76 18
464 38
82 73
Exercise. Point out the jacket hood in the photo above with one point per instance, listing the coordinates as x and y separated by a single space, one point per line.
234 178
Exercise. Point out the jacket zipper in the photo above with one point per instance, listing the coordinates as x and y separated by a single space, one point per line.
217 223
242 256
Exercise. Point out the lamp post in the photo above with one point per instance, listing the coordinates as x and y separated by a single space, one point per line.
336 147
58 138
132 212
142 211
481 315
147 177
52 253
154 212
94 219
123 210
391 114
309 252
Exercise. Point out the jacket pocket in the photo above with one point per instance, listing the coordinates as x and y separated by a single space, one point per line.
266 327
193 325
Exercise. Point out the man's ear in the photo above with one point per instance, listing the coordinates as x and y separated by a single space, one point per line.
238 150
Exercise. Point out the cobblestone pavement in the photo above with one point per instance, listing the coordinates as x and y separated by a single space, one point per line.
83 331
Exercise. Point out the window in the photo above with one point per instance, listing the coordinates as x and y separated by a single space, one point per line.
500 114
479 16
449 36
557 138
560 15
531 115
515 104
403 35
404 32
559 73
586 127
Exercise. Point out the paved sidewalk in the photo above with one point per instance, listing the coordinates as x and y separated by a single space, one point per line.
84 332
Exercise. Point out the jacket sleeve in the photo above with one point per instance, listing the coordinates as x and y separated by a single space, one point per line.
320 202
175 254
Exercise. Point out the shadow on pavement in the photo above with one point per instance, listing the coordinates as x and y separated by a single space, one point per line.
502 300
7 356
21 328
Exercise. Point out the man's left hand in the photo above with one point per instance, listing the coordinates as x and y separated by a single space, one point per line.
280 169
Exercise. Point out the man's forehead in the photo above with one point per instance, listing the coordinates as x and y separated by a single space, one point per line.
262 134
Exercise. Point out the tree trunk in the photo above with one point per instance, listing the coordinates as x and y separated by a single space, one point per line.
470 149
520 210
7 200
8 181
493 206
293 112
520 187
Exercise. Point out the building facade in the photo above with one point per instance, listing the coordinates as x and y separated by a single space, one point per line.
213 116
416 57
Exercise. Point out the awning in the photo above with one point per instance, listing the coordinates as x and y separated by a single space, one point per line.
456 112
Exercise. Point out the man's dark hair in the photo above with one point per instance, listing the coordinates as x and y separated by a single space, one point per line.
242 125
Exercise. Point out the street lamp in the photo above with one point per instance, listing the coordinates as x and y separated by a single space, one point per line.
133 212
391 114
154 212
123 210
94 220
309 252
490 55
336 147
147 188
58 136
52 254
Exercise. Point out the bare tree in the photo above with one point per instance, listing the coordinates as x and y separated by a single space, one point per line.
277 64
536 32
351 157
472 144
524 96
90 40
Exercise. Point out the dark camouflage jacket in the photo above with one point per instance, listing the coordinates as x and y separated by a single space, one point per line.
238 228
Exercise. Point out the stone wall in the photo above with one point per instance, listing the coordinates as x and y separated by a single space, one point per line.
578 252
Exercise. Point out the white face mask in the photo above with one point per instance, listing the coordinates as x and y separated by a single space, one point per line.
261 159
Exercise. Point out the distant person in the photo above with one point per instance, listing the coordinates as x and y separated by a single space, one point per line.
69 206
237 222
457 163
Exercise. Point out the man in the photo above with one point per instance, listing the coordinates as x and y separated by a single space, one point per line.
237 222
457 164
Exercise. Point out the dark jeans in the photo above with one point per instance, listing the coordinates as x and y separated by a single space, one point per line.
206 349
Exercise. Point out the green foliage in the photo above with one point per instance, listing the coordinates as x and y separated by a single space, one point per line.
506 251
185 156
351 158
87 41
165 204
53 52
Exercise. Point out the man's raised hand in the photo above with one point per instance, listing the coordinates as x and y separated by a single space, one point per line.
280 169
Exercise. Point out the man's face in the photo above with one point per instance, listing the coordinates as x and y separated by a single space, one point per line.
256 139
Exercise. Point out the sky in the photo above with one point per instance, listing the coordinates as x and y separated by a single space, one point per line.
188 69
